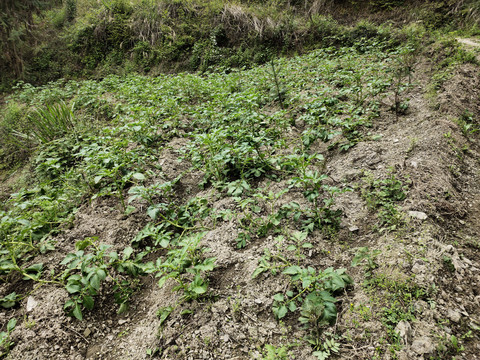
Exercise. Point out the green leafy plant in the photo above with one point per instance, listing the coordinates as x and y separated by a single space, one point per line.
368 258
383 194
86 271
184 264
5 340
311 292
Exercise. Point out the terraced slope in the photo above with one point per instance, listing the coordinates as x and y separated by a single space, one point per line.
323 206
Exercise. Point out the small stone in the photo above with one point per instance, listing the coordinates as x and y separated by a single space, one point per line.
353 228
258 301
87 332
122 321
450 249
423 346
454 315
404 331
417 268
31 303
418 215
414 164
225 338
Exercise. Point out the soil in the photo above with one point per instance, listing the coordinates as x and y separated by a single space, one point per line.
426 147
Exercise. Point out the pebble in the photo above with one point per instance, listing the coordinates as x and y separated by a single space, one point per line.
418 215
454 315
31 303
450 249
422 346
404 331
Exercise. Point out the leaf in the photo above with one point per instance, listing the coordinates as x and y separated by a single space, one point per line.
11 324
200 289
279 297
292 306
123 308
292 270
164 313
95 282
9 300
258 271
281 312
101 274
127 252
35 268
130 209
88 302
162 280
153 211
97 179
77 312
83 244
138 176
72 288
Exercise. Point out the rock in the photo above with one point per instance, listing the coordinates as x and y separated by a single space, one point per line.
450 249
423 345
404 331
353 228
418 266
87 332
122 321
418 215
454 315
31 303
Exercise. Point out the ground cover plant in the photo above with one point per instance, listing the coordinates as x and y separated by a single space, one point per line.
253 213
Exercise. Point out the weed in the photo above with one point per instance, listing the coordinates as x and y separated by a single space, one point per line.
364 253
271 352
382 195
5 340
448 263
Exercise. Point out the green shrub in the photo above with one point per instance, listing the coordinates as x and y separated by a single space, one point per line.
70 10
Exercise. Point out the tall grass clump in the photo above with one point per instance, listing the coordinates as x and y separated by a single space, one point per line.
48 123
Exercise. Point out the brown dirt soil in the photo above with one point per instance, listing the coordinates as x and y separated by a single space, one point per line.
440 255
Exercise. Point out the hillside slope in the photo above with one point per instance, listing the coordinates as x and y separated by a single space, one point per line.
323 206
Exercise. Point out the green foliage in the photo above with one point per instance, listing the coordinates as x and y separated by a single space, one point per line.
383 194
273 353
5 340
86 271
49 122
368 258
70 10
185 265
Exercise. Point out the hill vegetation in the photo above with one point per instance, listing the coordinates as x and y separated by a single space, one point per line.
78 38
271 180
